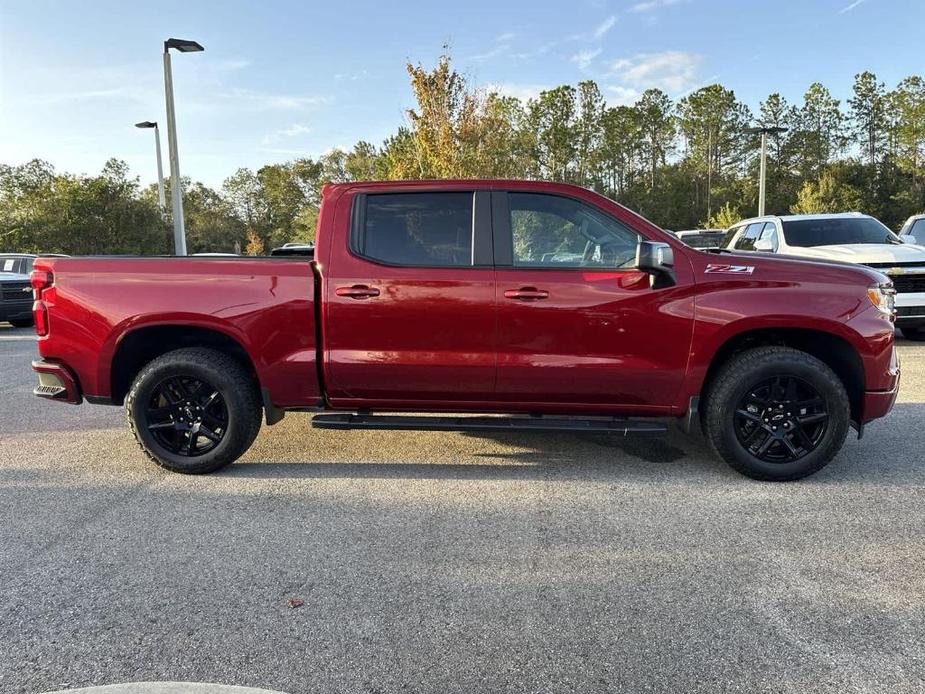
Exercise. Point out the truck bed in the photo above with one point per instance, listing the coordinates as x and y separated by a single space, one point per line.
106 311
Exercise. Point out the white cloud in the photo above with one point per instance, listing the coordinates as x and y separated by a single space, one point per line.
621 96
672 71
850 7
601 29
584 57
524 92
651 5
288 132
506 37
248 98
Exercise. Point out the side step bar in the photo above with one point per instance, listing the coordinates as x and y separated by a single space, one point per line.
618 426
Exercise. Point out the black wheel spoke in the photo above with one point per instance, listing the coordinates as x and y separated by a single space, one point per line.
186 416
791 414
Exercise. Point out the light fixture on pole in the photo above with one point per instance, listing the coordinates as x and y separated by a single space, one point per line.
176 188
765 131
161 199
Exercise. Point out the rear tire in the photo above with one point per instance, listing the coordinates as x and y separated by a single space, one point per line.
194 410
22 323
776 413
917 334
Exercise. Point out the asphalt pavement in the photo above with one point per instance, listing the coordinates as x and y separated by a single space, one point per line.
382 562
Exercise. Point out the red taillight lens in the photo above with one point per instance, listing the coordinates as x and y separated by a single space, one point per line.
41 280
40 318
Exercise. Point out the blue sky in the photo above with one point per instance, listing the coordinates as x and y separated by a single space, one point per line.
281 79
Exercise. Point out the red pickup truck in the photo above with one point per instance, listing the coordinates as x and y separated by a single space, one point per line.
520 305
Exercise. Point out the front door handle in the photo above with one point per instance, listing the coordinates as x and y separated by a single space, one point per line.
357 291
526 294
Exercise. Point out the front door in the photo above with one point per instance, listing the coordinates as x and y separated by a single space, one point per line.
409 301
577 324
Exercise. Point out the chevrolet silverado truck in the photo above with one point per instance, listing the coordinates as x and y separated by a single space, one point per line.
473 306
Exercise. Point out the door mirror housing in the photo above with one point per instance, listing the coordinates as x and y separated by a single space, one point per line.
908 238
656 259
764 246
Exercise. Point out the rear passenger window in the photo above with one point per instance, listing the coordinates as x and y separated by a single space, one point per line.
417 229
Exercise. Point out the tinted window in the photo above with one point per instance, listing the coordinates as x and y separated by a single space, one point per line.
827 232
552 231
918 230
710 239
424 229
746 241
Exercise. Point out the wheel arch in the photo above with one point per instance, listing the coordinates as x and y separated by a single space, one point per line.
833 350
139 346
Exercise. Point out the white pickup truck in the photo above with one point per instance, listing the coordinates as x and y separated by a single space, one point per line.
850 238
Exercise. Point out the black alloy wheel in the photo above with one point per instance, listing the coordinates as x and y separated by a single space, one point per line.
781 419
186 415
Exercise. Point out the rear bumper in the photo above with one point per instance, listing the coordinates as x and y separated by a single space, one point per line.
56 382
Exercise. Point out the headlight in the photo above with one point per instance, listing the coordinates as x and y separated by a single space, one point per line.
883 297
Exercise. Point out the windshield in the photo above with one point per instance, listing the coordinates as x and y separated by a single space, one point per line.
829 232
17 264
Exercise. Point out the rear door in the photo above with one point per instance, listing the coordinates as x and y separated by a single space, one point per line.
409 300
577 323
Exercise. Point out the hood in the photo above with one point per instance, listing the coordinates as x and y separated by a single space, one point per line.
13 277
863 253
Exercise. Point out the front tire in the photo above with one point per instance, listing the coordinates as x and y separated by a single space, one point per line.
776 413
22 323
194 410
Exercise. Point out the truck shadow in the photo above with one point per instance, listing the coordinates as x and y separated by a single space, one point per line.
890 453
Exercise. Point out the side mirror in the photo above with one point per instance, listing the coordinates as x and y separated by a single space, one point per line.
764 246
657 259
908 238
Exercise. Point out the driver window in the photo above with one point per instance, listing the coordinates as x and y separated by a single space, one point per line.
557 232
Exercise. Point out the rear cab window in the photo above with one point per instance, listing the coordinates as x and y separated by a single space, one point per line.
427 229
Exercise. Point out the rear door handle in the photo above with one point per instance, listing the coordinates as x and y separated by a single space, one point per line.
357 291
526 294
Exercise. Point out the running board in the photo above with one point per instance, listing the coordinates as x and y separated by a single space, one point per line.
622 427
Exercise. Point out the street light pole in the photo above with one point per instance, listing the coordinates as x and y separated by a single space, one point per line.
176 187
161 199
762 169
762 172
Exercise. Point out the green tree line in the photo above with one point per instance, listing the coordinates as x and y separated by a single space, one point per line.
683 164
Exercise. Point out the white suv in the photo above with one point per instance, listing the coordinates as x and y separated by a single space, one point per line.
851 238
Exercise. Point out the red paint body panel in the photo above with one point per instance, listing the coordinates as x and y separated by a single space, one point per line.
265 305
450 339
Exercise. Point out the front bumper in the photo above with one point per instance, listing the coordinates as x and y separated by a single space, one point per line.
877 403
15 311
56 382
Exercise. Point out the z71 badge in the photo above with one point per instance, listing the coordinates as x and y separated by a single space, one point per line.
733 269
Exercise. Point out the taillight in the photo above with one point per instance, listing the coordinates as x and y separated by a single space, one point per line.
41 280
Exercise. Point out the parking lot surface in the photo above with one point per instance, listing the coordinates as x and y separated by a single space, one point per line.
445 562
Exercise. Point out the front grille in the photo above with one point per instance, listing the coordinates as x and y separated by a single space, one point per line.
13 291
902 311
906 284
